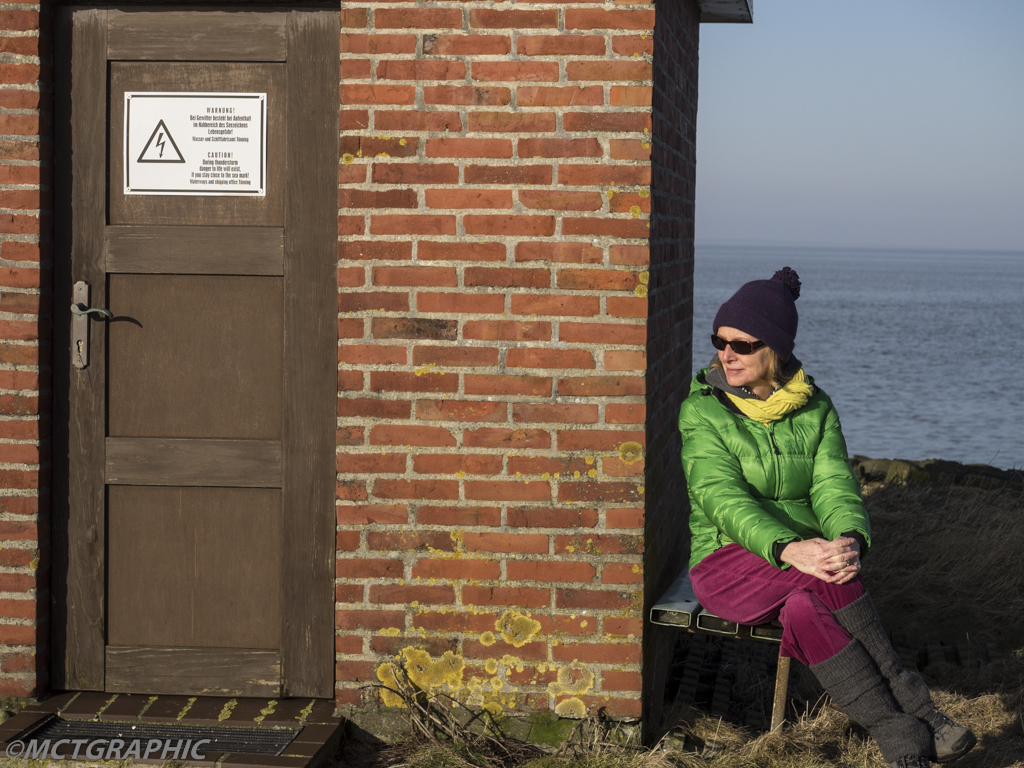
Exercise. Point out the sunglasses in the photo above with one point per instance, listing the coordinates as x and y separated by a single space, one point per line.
738 346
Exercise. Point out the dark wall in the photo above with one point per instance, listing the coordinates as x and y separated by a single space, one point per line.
670 324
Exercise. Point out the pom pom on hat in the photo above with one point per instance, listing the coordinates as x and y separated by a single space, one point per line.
766 309
789 278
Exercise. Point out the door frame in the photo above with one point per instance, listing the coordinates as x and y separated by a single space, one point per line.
307 41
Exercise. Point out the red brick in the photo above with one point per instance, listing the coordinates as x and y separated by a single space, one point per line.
360 463
366 568
630 202
559 148
348 593
387 381
593 175
349 436
473 649
597 280
349 381
498 226
461 516
412 541
410 224
602 333
461 410
559 45
623 626
516 122
370 514
351 277
504 277
494 437
14 453
629 149
493 19
461 357
559 96
372 354
475 303
538 465
421 69
346 541
350 490
399 593
630 95
612 680
352 120
560 201
474 570
545 570
615 467
506 330
544 517
630 255
415 276
468 198
587 18
348 645
353 17
577 253
515 71
376 93
467 95
451 463
381 146
546 412
360 302
602 227
608 70
523 597
402 120
417 489
16 634
592 598
375 250
593 492
507 490
500 148
519 174
454 622
625 360
428 251
419 18
596 439
413 173
372 619
355 69
557 304
537 386
625 413
630 517
620 306
525 357
466 45
378 44
408 434
374 408
614 121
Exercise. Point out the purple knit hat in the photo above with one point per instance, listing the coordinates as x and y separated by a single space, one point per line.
766 309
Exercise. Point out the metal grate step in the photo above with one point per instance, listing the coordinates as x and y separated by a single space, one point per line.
254 741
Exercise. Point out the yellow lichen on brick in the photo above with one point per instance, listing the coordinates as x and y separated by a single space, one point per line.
631 452
571 708
487 638
491 666
573 680
640 291
387 675
516 628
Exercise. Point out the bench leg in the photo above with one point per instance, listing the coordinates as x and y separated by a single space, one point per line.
781 693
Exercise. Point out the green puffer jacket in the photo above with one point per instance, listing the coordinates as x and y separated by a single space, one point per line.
759 485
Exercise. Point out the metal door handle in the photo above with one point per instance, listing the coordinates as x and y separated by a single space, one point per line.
81 309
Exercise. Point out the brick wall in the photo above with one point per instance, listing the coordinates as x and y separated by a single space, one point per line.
25 268
669 327
495 201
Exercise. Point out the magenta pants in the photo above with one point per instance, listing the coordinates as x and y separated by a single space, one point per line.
742 587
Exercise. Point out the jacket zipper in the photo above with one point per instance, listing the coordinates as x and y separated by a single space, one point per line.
775 464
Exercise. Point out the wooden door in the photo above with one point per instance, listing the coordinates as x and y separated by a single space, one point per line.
194 469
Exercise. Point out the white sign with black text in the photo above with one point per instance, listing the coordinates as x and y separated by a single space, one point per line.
195 144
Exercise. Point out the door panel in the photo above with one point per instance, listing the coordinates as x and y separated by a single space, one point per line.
206 77
195 356
193 509
194 567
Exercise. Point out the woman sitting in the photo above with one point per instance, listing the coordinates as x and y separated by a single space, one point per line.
779 528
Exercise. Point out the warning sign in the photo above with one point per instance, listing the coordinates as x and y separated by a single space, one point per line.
195 144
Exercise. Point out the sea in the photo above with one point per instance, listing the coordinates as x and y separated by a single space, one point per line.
921 351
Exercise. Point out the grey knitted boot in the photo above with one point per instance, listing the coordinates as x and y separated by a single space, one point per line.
949 739
852 680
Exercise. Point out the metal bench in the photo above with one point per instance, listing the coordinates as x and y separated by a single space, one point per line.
680 608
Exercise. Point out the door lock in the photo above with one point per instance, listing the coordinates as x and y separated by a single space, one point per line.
80 311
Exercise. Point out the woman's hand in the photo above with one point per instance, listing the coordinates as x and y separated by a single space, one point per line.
836 562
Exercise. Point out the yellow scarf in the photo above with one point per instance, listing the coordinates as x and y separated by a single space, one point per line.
792 396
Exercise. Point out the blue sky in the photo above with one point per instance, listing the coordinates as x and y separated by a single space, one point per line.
864 123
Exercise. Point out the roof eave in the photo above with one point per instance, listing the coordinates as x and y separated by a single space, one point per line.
726 11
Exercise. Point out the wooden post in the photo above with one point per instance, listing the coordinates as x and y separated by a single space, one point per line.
781 692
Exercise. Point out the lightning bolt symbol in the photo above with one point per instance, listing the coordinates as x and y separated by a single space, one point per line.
160 143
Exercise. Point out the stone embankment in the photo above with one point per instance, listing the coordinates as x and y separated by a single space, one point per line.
936 472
